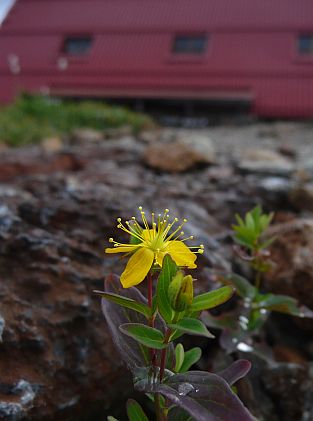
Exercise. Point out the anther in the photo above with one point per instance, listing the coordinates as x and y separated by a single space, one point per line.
111 240
119 219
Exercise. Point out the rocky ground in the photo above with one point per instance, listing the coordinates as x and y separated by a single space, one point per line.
58 204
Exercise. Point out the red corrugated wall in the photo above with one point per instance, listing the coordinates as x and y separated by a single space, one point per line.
252 50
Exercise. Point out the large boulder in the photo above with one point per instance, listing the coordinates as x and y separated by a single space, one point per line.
182 154
292 254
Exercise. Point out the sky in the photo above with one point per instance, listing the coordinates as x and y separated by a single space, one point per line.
4 7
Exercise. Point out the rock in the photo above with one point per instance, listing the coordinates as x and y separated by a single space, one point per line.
289 355
57 212
2 325
181 155
3 147
200 145
52 144
56 355
307 167
149 136
266 162
115 133
287 150
301 197
284 381
292 254
275 185
82 135
27 162
171 158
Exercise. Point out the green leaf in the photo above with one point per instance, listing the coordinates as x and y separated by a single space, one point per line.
169 270
249 230
211 299
224 321
283 304
191 357
179 357
191 326
110 418
135 412
148 336
126 302
242 285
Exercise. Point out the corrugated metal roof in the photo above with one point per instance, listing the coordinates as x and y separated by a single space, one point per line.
119 15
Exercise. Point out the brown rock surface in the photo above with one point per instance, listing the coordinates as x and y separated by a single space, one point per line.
181 154
292 254
56 212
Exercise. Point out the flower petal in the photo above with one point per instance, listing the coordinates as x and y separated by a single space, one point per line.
137 267
127 248
159 256
181 254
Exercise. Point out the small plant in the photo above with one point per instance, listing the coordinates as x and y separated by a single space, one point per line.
32 118
146 329
241 327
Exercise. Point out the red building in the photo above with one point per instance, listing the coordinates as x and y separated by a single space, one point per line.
259 51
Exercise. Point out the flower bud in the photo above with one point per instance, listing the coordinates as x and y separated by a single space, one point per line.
180 292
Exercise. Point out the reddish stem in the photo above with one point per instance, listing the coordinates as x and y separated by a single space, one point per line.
163 354
150 289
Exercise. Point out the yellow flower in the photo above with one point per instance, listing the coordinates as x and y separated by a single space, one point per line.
150 244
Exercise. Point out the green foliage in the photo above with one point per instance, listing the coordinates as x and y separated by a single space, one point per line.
192 327
243 287
126 302
169 270
135 412
171 312
249 230
212 299
179 356
32 118
191 357
180 292
146 335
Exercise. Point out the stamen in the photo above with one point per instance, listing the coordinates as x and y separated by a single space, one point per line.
128 231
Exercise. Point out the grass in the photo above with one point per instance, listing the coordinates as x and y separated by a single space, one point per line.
32 118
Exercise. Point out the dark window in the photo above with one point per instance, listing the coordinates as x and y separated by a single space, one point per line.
77 46
305 44
190 44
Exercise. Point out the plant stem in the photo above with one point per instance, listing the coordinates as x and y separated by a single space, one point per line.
258 279
163 353
150 289
157 405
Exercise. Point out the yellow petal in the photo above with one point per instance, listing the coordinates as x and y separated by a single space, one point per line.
159 256
127 248
137 267
181 254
